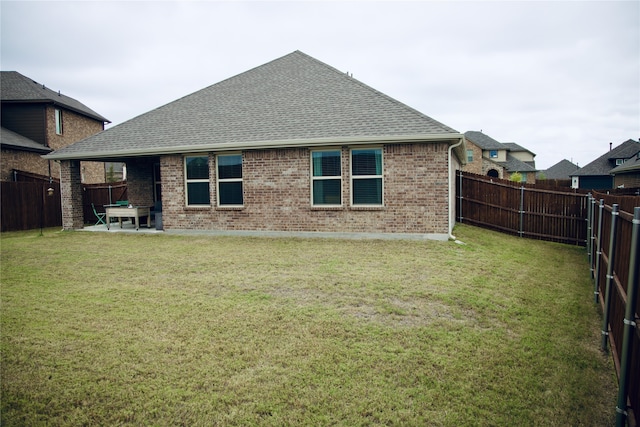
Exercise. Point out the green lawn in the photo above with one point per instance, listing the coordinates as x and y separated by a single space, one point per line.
114 329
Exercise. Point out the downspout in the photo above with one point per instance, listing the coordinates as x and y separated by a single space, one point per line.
452 189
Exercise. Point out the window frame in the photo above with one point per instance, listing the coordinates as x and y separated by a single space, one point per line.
493 154
57 114
188 180
469 155
315 178
353 177
227 180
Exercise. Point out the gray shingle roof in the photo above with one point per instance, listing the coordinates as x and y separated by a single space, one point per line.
483 141
605 163
293 98
14 140
19 88
631 165
513 147
515 165
561 170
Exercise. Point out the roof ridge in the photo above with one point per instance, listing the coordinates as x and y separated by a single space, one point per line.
373 90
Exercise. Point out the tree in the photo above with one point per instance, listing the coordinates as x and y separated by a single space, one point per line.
516 177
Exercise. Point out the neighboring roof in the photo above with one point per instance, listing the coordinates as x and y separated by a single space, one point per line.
17 88
292 101
513 147
515 165
631 165
603 164
13 140
561 170
483 141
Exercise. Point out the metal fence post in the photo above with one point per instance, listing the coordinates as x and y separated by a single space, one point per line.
589 234
596 289
521 231
629 319
612 257
460 197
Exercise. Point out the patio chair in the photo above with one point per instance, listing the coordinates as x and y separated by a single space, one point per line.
100 215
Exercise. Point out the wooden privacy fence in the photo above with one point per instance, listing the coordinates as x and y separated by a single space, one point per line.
523 210
27 204
608 225
614 258
100 195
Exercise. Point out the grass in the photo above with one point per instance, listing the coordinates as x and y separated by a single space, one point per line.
111 329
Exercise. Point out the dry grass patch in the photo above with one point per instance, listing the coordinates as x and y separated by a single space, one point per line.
163 330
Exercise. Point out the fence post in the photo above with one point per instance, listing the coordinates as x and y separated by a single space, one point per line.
596 289
629 319
612 257
460 197
589 234
521 231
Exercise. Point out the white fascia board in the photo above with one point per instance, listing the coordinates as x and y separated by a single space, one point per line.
450 138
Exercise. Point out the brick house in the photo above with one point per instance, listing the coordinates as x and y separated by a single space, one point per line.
293 145
37 120
486 156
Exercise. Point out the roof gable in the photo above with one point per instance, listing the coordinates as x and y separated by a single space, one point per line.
19 88
293 98
603 164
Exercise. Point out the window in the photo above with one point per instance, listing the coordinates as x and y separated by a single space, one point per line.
197 180
619 162
58 115
366 176
493 154
326 178
230 180
469 155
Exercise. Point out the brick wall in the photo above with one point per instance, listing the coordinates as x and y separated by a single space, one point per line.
140 181
75 127
25 161
628 180
476 165
71 194
277 195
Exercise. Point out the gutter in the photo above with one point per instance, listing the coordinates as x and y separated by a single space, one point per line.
452 193
255 145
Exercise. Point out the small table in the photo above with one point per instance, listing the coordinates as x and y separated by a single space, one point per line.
126 212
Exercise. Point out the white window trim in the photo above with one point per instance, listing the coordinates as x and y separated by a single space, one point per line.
218 180
325 178
381 176
58 121
189 181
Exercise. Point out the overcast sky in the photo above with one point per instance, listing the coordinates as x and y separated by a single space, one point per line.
559 78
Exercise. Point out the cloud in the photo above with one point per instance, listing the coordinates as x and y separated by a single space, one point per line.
560 78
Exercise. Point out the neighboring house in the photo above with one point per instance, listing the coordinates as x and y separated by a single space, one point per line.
37 120
627 175
561 170
486 156
597 174
293 145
